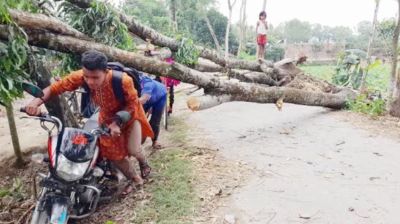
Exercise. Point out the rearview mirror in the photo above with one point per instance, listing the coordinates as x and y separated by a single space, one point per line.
32 89
123 116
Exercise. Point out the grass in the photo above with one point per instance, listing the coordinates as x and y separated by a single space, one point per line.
245 56
173 199
379 78
324 72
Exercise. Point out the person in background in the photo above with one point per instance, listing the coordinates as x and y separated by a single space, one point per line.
154 98
170 83
261 30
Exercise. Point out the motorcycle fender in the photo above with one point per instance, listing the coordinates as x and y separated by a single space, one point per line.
59 213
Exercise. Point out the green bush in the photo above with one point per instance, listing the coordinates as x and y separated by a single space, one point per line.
349 69
366 105
274 52
187 53
246 56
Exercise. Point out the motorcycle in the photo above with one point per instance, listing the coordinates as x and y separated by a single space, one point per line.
74 184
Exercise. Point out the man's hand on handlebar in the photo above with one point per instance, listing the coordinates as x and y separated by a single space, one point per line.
33 109
115 130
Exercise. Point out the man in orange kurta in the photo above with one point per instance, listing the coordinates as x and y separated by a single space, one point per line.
123 141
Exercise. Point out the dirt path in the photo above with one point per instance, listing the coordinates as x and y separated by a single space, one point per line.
309 164
30 133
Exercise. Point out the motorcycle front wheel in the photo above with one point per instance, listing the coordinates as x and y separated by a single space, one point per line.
40 217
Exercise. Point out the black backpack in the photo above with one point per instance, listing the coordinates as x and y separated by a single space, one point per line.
88 108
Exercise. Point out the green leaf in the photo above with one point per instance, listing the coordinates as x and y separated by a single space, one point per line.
375 64
10 83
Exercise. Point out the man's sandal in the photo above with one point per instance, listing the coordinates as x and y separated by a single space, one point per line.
145 169
129 188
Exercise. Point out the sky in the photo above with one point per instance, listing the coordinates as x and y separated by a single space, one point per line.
326 12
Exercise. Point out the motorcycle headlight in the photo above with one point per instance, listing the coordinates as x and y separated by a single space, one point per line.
70 171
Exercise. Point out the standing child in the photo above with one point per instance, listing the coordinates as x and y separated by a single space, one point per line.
166 55
261 30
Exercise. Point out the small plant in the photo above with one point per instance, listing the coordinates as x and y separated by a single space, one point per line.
187 53
246 56
368 104
275 52
350 68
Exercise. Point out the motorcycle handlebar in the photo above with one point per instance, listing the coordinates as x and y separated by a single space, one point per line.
46 117
23 110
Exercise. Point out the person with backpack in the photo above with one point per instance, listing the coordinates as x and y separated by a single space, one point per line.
105 87
154 98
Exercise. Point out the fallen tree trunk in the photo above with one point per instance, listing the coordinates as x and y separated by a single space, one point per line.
253 77
40 21
280 73
205 65
239 90
161 40
309 83
206 101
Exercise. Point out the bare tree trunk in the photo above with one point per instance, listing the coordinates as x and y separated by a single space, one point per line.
14 135
211 29
370 42
204 65
56 106
264 5
228 27
242 24
395 79
173 9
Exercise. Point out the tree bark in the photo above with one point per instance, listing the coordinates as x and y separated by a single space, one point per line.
264 5
253 77
205 65
238 90
14 135
228 26
242 24
40 21
371 40
211 29
395 80
206 101
173 9
56 106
